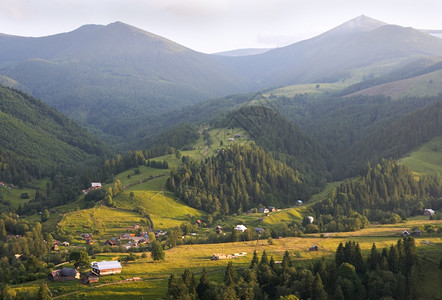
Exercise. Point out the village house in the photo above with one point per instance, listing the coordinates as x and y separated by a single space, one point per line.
262 210
126 236
416 232
110 243
405 233
94 186
310 219
89 241
144 234
198 223
237 136
299 202
66 244
241 228
259 230
65 274
159 232
428 212
86 236
106 267
218 229
91 278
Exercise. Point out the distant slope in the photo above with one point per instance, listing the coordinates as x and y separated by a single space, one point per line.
401 136
114 77
423 85
36 138
243 52
427 160
330 56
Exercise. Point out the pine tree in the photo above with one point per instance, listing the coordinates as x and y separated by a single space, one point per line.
255 260
286 260
230 276
339 255
203 285
43 292
318 291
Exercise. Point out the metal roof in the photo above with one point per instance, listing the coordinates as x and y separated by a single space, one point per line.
105 265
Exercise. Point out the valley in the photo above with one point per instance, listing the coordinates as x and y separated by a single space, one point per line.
118 144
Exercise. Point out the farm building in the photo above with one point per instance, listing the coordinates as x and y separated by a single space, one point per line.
299 202
259 230
428 212
241 228
314 248
271 208
106 267
219 256
230 139
91 277
218 229
111 243
310 219
65 274
416 232
405 233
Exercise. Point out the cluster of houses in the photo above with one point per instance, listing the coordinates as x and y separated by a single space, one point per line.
97 269
262 210
3 185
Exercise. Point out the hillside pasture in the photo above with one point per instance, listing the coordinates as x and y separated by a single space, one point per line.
163 208
426 160
104 222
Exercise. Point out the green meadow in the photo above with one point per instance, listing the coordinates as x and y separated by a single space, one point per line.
427 159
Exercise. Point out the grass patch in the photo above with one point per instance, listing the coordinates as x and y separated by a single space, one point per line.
427 159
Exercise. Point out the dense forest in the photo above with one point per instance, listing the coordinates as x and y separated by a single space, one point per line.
391 274
350 127
237 179
386 192
275 134
38 141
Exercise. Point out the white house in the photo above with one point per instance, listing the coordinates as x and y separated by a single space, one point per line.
241 228
106 267
428 212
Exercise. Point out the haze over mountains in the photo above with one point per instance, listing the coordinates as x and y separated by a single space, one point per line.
116 78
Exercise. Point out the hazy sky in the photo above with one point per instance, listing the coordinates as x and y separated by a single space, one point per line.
215 25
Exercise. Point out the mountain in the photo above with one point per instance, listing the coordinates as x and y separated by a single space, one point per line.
119 80
114 77
243 52
36 139
330 57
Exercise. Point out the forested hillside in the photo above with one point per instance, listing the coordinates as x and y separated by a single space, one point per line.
237 179
274 133
386 192
37 140
349 127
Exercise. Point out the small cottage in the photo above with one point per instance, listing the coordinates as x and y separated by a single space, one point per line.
428 212
310 219
259 230
314 248
110 243
271 208
241 228
106 267
218 229
405 233
416 232
65 274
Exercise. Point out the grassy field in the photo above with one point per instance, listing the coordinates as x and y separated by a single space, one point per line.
427 159
195 257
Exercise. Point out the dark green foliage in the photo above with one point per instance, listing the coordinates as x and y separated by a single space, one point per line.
37 140
277 135
237 179
383 193
80 258
157 251
267 280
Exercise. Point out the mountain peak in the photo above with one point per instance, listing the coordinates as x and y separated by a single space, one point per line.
359 24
